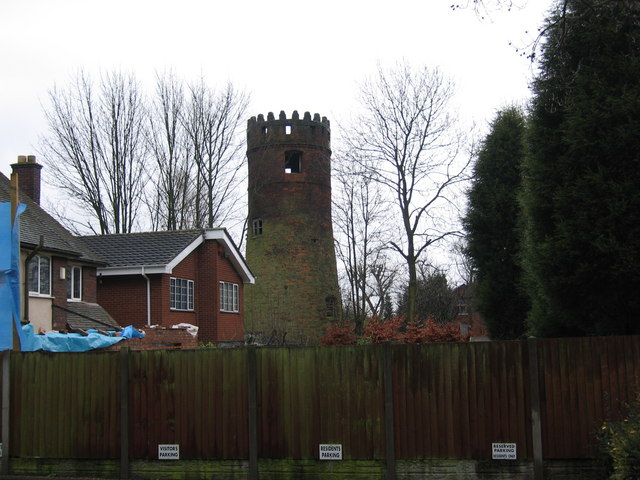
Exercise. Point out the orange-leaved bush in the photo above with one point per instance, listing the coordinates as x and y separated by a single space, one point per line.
339 334
377 331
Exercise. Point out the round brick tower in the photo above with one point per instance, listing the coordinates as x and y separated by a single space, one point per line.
290 245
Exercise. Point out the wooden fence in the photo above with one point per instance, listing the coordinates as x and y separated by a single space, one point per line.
549 397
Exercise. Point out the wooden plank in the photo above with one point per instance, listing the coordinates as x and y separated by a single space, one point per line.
252 381
389 421
123 375
536 424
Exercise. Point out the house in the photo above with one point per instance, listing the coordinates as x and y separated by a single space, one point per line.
57 271
167 278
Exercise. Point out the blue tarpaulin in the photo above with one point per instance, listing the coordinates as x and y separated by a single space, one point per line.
9 276
65 342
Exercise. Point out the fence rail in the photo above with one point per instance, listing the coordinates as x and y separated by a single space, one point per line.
448 400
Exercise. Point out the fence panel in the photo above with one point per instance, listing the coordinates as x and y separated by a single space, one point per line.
450 400
454 400
309 396
584 381
196 399
65 405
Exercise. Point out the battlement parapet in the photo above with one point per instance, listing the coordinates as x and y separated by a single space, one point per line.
314 130
295 119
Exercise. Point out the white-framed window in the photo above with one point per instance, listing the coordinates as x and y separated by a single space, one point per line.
181 295
74 282
40 275
229 301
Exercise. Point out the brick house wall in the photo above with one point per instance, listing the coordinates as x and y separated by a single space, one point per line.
230 326
59 293
159 339
59 290
89 290
125 296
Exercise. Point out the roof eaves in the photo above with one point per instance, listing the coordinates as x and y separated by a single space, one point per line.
235 257
185 252
135 270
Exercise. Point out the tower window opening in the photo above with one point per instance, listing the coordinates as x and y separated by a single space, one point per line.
265 130
330 303
257 226
292 161
287 129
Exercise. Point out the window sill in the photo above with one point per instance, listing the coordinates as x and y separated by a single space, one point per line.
181 311
40 295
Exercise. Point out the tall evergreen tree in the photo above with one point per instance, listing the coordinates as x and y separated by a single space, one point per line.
491 222
581 184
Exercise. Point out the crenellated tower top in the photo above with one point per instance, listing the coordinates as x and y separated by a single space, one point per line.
294 130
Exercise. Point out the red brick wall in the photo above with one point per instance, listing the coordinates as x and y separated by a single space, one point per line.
89 293
59 293
159 339
206 293
230 325
185 269
124 297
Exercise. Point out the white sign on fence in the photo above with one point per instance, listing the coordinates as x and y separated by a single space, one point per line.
503 451
168 452
330 451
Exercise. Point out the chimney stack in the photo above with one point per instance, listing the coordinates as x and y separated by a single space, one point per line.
28 176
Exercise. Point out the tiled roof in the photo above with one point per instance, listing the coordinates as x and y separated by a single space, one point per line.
137 249
83 315
34 222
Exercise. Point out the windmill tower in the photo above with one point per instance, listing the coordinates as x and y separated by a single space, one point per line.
290 244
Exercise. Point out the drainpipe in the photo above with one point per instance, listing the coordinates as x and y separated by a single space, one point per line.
25 292
144 275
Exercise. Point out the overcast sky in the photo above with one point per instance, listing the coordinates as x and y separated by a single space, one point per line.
288 55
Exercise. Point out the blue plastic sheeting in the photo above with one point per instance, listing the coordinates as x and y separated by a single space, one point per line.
65 342
9 276
131 332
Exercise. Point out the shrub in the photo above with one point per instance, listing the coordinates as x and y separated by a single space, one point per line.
432 332
621 443
381 331
377 331
339 334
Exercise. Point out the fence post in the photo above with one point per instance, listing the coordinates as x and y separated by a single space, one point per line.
252 380
124 412
389 427
6 418
536 425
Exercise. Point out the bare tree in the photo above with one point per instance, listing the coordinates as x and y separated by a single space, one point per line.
96 149
358 219
407 141
212 123
172 193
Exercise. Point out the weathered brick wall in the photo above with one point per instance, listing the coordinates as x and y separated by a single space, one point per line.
187 270
89 293
125 297
59 293
214 325
159 338
293 257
